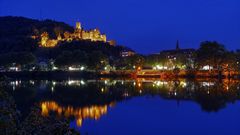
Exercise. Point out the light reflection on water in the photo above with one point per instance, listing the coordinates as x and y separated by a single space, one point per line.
79 100
93 112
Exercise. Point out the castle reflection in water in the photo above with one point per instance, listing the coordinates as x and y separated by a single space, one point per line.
93 112
91 99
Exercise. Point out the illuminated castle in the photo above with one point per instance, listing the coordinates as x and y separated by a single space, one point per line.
46 42
78 34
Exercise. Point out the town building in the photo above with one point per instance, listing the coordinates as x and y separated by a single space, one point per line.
127 53
173 54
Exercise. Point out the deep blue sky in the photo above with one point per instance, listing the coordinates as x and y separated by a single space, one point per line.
147 26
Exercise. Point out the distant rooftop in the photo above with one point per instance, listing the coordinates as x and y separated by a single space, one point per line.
178 49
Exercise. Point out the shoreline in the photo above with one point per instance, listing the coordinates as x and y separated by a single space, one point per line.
61 75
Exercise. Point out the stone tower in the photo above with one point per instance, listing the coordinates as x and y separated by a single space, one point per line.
44 39
78 26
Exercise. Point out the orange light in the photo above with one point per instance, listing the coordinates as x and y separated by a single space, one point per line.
92 112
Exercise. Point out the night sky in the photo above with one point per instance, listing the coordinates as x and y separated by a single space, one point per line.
147 26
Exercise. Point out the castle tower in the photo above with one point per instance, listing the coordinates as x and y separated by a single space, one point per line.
59 37
78 26
44 39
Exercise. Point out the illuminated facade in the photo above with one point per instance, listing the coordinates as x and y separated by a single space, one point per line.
93 35
127 53
46 42
78 34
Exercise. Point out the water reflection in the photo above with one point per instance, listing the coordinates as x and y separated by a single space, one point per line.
92 112
90 99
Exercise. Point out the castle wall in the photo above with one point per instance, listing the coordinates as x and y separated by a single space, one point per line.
79 34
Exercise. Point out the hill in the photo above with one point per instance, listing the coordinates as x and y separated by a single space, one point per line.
20 38
16 32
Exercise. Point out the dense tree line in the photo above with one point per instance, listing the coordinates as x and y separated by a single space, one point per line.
217 56
21 58
95 60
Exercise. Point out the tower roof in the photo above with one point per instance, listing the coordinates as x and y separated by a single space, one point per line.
177 45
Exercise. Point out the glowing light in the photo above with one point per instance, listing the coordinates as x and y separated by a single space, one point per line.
106 82
52 89
70 68
32 82
207 67
158 67
79 122
70 82
14 69
207 84
160 83
183 84
102 90
82 82
16 83
82 68
54 83
126 94
92 112
76 68
55 68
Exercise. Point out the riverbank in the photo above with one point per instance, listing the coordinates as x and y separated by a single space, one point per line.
63 75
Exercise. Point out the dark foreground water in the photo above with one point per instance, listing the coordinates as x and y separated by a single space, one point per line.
135 107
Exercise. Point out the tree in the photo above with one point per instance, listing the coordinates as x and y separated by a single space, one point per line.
181 61
151 60
211 54
64 59
79 58
97 60
25 58
154 60
134 61
21 58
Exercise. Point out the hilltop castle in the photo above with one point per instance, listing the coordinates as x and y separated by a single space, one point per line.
78 34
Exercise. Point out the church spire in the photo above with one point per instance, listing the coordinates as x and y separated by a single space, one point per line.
177 45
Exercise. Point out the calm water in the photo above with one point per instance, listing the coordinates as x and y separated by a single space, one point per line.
136 107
